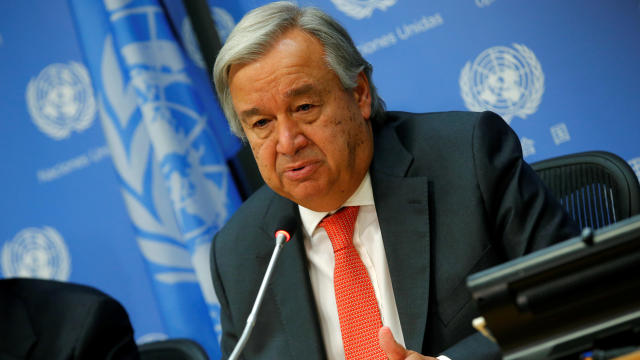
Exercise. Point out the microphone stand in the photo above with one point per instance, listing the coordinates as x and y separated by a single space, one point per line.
281 237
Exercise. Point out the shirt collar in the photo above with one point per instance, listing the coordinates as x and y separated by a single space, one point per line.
361 197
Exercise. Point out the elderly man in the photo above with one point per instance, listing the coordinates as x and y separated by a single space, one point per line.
394 210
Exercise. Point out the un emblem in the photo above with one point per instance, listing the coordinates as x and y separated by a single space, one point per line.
36 253
60 100
360 9
188 177
506 81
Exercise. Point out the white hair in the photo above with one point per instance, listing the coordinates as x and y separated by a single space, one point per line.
258 31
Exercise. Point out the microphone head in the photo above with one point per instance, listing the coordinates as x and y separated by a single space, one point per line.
284 233
286 226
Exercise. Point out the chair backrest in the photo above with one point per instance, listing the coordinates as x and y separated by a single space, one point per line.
172 349
54 320
597 188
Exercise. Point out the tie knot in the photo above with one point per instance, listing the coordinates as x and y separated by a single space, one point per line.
339 226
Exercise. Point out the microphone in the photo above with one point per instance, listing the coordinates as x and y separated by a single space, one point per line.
282 235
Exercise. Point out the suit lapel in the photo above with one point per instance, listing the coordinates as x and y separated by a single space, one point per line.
402 209
291 289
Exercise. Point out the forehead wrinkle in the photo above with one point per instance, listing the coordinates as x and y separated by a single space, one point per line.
300 90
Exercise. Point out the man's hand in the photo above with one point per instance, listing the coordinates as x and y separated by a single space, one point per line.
396 351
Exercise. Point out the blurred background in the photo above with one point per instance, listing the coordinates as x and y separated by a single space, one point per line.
119 167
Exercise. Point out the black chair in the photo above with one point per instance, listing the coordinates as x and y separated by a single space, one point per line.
172 349
597 188
53 320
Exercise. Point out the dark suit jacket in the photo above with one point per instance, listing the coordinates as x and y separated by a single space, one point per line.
453 196
42 319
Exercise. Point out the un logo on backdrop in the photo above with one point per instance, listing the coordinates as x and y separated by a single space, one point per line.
506 81
36 253
360 9
60 100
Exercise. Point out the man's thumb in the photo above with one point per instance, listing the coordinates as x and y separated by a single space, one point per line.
389 345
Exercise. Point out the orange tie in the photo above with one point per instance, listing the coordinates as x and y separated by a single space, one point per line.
357 305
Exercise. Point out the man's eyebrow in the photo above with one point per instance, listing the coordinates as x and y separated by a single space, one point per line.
249 112
300 90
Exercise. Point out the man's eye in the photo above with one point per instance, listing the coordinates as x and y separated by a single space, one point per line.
304 107
260 123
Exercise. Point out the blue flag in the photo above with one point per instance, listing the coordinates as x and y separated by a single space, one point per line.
168 150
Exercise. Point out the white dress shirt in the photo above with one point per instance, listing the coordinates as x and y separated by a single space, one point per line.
367 239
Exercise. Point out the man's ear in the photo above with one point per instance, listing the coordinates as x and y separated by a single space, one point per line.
362 95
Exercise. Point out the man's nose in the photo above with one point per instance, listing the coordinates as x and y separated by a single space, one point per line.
290 137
